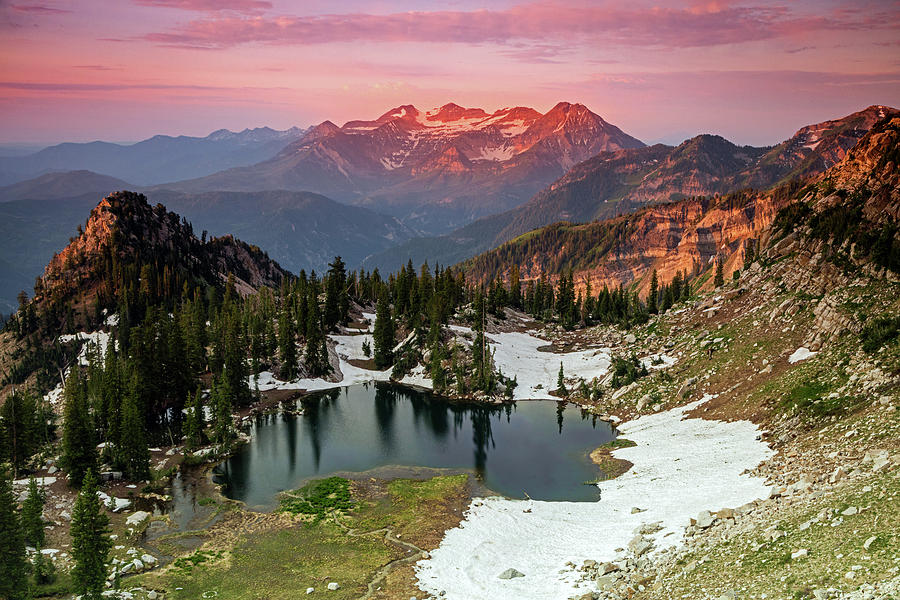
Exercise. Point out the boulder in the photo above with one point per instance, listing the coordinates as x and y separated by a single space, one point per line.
136 518
838 475
801 553
333 586
510 574
639 545
705 519
608 567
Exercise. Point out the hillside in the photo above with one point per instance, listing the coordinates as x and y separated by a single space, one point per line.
855 200
616 183
154 160
434 170
123 235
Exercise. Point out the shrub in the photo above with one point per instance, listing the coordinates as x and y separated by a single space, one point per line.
879 332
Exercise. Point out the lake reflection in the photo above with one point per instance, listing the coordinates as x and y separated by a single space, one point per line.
538 448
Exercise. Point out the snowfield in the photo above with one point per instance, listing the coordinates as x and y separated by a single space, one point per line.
681 467
515 354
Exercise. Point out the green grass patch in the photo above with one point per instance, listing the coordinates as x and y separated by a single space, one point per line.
318 498
619 443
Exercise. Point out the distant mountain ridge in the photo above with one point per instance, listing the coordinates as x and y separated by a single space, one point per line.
300 230
615 183
61 185
154 160
433 170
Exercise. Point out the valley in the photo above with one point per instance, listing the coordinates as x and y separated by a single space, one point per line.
700 398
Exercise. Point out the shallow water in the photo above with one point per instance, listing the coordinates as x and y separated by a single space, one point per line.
536 448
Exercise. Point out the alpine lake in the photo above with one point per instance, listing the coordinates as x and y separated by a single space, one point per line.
536 449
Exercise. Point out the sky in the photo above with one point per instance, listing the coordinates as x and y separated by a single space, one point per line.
753 71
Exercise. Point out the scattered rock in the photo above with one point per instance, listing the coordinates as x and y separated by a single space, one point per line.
801 553
869 542
510 574
333 586
849 512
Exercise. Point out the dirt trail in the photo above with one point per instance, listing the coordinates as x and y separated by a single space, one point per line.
382 573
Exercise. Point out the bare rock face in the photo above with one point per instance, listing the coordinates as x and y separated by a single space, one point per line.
124 229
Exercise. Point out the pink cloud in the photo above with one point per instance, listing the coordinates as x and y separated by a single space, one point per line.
244 6
711 24
38 9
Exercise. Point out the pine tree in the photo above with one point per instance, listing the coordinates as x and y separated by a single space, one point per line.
90 541
384 333
337 303
32 515
438 376
316 349
719 280
561 382
654 293
287 345
193 424
135 453
79 448
222 403
13 566
18 429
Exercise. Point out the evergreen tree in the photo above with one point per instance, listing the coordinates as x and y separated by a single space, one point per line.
222 403
32 515
90 541
316 349
654 293
515 288
79 447
384 333
13 566
561 382
287 345
135 453
193 425
337 304
18 429
438 376
719 280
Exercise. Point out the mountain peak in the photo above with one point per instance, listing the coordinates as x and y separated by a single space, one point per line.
454 112
406 111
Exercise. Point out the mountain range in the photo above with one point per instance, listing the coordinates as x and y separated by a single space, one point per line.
619 182
433 170
517 148
849 211
154 160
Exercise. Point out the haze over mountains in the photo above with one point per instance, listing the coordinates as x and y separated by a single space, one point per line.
154 160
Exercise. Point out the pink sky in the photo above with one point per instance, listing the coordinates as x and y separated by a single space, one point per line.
752 71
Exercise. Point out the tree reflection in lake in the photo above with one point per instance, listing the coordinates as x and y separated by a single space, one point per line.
527 446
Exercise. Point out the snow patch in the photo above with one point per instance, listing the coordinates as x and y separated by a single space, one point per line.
536 372
498 534
801 353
